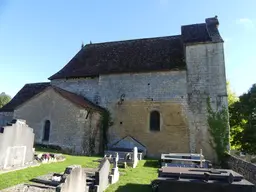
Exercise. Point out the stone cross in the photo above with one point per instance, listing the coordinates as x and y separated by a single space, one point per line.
115 159
201 158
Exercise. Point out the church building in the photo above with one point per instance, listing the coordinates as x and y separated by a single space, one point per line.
154 91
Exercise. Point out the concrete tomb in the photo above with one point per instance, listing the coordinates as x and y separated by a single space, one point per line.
16 145
181 179
184 160
125 148
129 158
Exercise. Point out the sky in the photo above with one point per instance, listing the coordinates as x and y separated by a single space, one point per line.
37 38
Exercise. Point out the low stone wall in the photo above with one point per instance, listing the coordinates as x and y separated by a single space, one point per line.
248 170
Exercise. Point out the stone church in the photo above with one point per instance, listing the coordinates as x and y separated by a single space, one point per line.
154 89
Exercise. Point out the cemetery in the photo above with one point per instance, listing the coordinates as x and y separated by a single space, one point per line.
120 169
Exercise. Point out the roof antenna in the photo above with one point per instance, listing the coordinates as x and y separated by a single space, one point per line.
82 45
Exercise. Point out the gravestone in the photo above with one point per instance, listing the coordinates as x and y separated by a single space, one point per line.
115 162
102 175
114 176
135 157
16 145
74 179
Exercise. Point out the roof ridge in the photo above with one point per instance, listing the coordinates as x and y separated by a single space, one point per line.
129 40
193 24
125 138
38 83
84 99
27 92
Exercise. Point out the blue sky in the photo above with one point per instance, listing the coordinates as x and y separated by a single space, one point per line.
37 38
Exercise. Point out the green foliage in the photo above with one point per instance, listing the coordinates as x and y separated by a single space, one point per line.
4 99
232 98
243 122
106 122
218 128
235 129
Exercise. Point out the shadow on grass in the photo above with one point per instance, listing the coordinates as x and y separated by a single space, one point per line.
49 150
132 187
45 149
151 163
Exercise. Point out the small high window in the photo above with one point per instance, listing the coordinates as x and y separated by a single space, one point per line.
47 126
154 121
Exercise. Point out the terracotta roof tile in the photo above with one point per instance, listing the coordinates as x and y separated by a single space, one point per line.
26 93
139 55
77 100
30 90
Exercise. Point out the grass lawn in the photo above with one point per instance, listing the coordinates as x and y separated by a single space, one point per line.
137 179
24 175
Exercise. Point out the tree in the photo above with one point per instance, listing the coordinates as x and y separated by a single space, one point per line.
235 129
243 122
4 99
232 98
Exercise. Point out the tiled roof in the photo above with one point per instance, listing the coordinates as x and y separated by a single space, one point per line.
26 93
30 90
139 55
77 100
203 32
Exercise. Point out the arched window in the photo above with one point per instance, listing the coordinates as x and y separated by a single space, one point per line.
47 126
154 121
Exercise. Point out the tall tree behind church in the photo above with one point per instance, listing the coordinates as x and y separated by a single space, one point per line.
243 122
4 99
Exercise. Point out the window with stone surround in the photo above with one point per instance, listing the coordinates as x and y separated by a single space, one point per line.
47 126
154 121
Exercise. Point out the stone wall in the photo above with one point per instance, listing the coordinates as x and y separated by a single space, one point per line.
68 122
179 96
206 78
16 145
92 138
248 170
133 117
142 93
5 117
88 87
159 86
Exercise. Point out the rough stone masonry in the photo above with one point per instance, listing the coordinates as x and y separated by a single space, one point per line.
154 88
